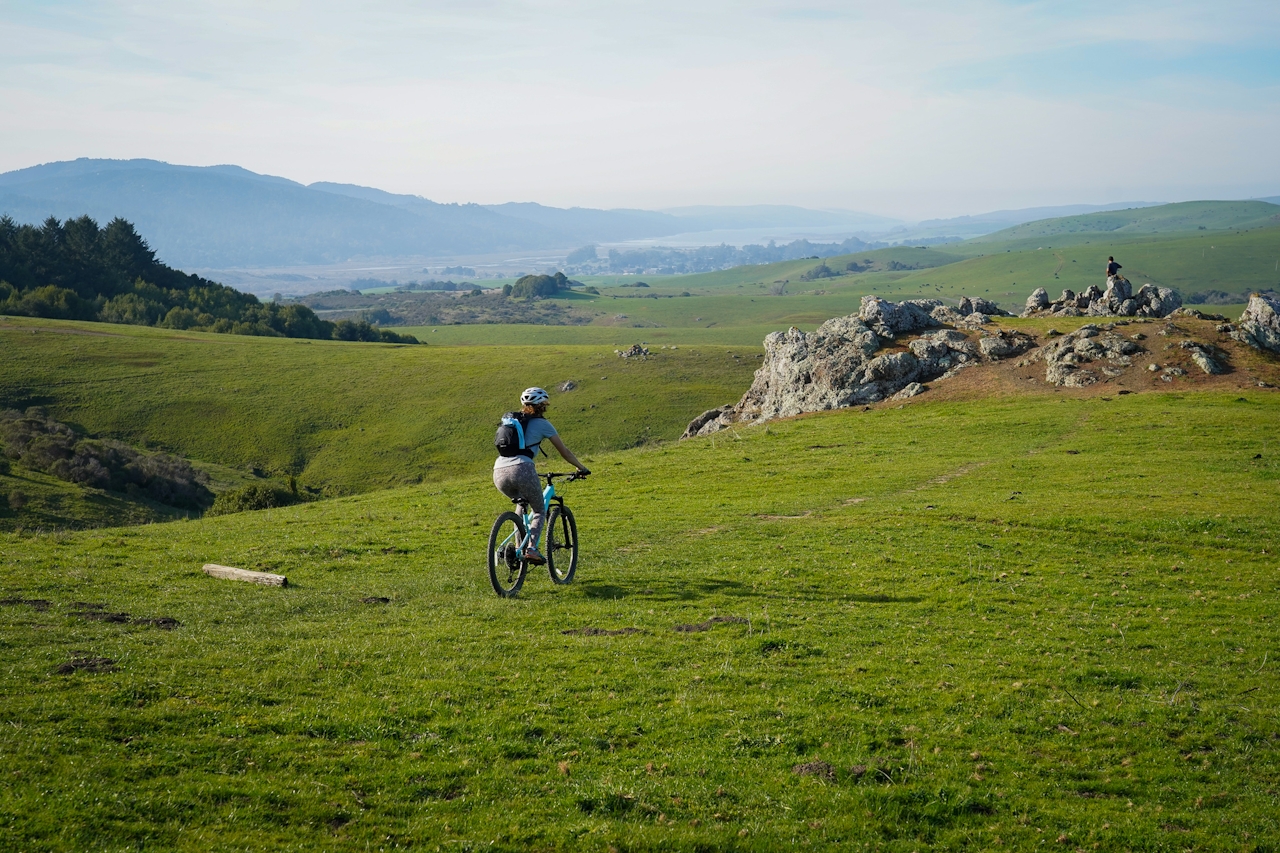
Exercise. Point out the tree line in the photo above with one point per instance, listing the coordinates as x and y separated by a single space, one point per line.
75 270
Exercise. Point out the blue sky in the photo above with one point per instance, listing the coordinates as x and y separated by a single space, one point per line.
909 109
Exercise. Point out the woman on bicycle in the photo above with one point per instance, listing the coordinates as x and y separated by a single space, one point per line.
517 477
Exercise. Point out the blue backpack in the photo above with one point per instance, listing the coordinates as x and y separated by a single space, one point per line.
510 439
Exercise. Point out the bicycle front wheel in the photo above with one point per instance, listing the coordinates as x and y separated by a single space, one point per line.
507 565
562 544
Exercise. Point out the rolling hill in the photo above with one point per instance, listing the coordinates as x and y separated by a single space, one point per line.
961 625
343 417
1166 218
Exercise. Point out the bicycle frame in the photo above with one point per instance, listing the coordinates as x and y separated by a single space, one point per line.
549 497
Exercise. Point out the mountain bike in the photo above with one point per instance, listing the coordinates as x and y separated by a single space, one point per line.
509 538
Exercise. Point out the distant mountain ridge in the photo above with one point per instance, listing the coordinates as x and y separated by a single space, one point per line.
227 217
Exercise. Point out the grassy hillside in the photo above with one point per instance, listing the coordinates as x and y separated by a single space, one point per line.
1043 621
765 274
1224 261
1006 272
1186 216
345 416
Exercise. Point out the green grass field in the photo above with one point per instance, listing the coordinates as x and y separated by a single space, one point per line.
1036 620
1042 621
1239 251
1166 218
1005 272
347 417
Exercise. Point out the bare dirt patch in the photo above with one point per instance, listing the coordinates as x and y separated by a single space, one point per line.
102 616
33 603
85 662
820 769
711 623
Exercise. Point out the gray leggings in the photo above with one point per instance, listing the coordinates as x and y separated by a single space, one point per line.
521 481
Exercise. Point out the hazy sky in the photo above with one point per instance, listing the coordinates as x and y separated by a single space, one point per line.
908 109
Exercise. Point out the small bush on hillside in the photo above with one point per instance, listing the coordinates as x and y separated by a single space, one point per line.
820 271
17 500
252 497
360 330
43 444
539 285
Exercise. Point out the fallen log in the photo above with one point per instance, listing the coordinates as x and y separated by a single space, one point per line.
213 570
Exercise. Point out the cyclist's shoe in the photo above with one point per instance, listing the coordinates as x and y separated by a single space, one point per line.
532 555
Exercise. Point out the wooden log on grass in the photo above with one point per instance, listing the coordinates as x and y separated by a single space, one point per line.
213 570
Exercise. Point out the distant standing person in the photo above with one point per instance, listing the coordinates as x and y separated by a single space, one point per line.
1112 267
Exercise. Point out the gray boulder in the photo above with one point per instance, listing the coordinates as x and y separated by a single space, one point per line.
1118 300
890 319
1004 345
852 330
1075 360
1162 304
977 305
1207 362
1208 358
838 365
708 422
1259 325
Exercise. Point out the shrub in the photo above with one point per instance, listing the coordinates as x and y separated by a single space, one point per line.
17 500
389 337
58 303
539 285
4 467
254 496
43 444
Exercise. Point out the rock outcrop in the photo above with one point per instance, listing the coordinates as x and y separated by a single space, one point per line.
838 365
1208 358
1118 300
1259 325
1075 360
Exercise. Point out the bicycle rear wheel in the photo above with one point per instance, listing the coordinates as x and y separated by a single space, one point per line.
562 544
507 565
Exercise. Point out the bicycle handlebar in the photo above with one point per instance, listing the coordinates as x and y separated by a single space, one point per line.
569 476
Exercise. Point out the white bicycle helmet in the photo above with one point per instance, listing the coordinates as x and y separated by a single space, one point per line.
534 397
